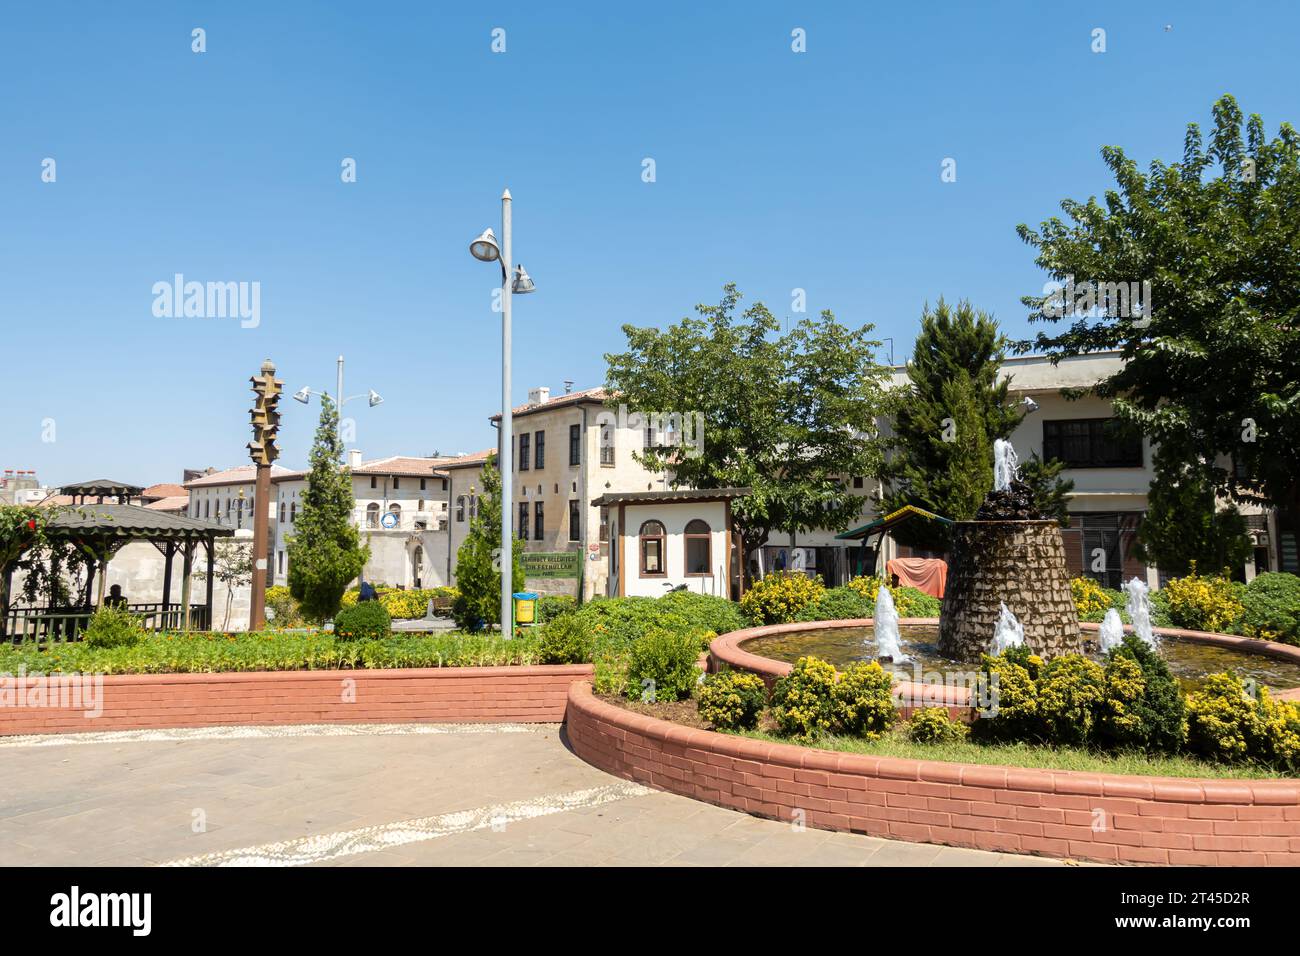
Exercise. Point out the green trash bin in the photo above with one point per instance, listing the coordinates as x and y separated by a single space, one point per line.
525 608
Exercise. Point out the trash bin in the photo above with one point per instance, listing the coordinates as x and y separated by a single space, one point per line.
525 607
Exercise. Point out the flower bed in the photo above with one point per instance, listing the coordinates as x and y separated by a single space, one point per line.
1102 817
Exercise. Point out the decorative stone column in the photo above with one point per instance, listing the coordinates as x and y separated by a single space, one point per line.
1021 564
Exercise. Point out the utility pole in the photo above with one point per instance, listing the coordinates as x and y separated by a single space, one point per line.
263 451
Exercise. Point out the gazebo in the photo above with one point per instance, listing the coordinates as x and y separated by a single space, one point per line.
100 530
866 560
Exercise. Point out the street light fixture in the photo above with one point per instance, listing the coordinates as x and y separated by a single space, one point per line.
486 249
305 393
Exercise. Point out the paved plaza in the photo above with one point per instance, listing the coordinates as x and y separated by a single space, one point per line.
382 795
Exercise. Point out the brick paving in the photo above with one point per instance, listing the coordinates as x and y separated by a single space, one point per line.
421 795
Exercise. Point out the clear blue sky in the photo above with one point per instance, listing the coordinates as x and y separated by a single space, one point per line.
774 169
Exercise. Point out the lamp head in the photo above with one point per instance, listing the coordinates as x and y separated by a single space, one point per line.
485 247
302 395
523 284
375 399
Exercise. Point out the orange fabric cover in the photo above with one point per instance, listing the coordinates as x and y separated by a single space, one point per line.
925 574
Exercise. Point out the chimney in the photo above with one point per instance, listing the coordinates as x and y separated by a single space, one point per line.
568 386
354 458
536 396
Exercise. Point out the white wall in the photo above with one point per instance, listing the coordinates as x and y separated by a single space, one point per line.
674 516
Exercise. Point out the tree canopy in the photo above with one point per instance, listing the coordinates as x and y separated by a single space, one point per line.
1212 364
478 561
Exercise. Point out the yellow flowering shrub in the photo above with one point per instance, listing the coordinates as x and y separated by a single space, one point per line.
732 700
864 701
1203 603
909 601
1120 716
932 725
1090 598
1069 688
803 701
779 597
1225 722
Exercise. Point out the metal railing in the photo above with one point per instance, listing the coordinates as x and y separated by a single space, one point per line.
64 624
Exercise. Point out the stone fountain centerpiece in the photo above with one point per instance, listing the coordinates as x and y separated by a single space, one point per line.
1009 554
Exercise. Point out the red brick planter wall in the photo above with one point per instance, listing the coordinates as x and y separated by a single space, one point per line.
1058 813
440 694
727 650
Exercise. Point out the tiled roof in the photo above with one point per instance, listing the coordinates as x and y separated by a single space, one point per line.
669 496
596 395
472 460
170 503
405 466
164 491
239 475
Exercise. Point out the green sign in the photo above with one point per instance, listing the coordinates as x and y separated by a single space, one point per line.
552 564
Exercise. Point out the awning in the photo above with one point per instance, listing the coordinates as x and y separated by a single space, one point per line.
891 520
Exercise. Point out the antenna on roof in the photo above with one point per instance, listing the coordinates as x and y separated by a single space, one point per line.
568 386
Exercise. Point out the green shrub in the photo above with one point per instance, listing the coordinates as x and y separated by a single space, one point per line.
913 602
704 611
367 620
564 640
864 702
1012 696
837 604
1162 718
610 673
621 622
932 725
779 597
281 608
1204 603
732 700
1069 689
662 666
551 606
1092 601
803 701
113 627
1271 605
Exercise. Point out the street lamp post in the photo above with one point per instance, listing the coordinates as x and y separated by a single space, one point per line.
305 393
485 249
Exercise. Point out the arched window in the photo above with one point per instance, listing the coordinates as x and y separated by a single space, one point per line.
396 511
698 542
420 507
460 507
417 567
281 512
372 515
653 541
293 511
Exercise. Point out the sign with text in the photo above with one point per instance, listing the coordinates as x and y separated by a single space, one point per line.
551 564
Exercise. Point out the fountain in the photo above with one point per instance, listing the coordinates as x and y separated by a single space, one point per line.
888 643
1111 633
1008 633
1138 605
1009 557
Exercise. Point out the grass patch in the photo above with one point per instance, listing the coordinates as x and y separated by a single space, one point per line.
1129 763
207 653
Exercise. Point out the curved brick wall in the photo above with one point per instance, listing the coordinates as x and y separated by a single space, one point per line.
727 650
534 694
1051 812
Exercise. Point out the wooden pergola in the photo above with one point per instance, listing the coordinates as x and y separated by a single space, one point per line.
100 531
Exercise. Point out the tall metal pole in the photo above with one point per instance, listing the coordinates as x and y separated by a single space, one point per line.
507 432
338 404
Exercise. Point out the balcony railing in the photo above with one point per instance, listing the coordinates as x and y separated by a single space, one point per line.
46 625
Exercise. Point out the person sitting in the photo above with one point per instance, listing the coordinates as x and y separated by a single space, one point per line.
115 597
367 592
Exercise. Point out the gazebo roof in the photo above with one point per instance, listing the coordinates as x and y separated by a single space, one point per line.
890 521
128 522
101 486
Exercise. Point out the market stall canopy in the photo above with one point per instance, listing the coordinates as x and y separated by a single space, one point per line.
889 522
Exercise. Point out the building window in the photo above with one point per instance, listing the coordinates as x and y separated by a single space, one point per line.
293 512
539 450
374 481
1092 443
607 444
539 522
523 452
420 506
207 508
239 521
575 519
575 445
699 541
396 511
460 507
422 480
653 540
473 506
523 520
444 484
604 525
281 512
857 482
372 515
281 562
397 482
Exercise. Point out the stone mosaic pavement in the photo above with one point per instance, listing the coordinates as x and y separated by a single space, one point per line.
419 795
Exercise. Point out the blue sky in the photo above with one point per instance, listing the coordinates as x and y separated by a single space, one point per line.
775 170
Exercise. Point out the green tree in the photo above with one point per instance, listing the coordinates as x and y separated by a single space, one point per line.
1184 525
1211 363
478 560
945 420
325 554
789 415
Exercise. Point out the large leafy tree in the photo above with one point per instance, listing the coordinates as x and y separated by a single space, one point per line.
1212 370
1184 527
325 553
789 415
478 560
946 417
